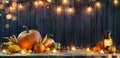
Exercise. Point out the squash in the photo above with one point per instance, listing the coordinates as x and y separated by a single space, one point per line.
48 42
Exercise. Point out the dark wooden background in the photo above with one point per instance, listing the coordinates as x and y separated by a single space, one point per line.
78 29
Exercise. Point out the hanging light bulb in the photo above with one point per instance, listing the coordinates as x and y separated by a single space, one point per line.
65 2
20 7
6 1
116 2
70 10
50 1
9 16
14 4
36 3
89 10
12 9
7 26
2 6
59 10
41 3
98 5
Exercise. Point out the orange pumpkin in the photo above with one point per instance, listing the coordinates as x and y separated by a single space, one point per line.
47 49
27 40
48 42
39 48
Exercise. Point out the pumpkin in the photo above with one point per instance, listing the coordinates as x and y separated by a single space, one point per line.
39 48
47 49
100 44
27 39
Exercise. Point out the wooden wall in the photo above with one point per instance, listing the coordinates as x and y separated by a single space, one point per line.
78 29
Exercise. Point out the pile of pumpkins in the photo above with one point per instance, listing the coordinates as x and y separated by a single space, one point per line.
29 40
100 48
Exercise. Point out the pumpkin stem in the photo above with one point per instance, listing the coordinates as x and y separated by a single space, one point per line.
27 30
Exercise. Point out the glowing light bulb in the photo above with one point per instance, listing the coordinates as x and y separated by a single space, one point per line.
14 4
54 51
59 9
23 51
4 51
98 4
70 10
65 2
116 2
36 4
7 26
89 10
50 1
1 6
6 1
40 3
9 16
12 9
20 7
88 49
73 48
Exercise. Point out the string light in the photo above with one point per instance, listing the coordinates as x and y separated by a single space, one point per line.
14 4
89 10
9 16
1 6
36 4
70 10
20 7
59 10
78 0
40 3
116 2
65 2
7 26
6 1
98 4
50 1
12 9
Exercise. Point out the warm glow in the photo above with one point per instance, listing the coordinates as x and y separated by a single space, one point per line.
116 2
4 51
102 52
41 3
1 6
89 10
54 51
7 26
88 49
50 1
9 16
118 56
14 4
65 2
14 18
70 10
73 48
20 7
98 4
109 56
59 9
78 0
23 51
6 1
11 9
36 3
